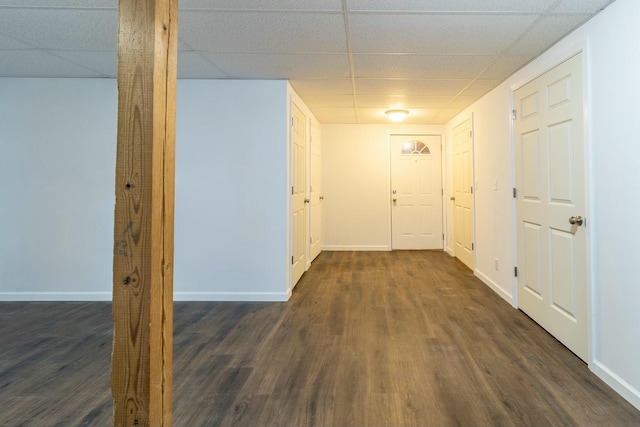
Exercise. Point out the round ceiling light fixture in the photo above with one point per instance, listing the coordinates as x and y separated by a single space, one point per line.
397 115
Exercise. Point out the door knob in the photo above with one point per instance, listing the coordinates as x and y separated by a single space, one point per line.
394 200
576 220
306 200
321 197
453 198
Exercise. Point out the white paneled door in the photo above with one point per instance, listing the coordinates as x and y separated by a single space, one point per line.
315 193
298 193
416 192
552 257
463 193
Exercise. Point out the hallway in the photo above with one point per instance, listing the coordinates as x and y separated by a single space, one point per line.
368 339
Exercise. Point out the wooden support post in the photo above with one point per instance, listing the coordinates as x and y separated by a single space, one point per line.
143 234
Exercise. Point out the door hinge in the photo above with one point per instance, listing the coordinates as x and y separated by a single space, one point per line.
473 247
442 236
292 190
515 271
471 134
311 240
291 259
291 121
514 115
442 191
515 193
472 190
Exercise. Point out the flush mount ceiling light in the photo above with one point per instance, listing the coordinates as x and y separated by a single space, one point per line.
397 115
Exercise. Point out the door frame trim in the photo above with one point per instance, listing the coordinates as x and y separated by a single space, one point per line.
540 67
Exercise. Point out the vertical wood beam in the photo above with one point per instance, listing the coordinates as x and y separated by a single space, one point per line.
141 375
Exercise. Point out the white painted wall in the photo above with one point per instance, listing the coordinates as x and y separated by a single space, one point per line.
612 64
355 184
231 190
57 174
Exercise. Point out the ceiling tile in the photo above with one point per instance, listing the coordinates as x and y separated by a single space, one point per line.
479 87
452 5
320 5
328 100
445 115
39 63
322 86
411 101
416 115
191 65
432 57
582 6
335 115
263 32
103 62
439 34
282 65
544 33
62 29
503 66
420 66
410 87
11 43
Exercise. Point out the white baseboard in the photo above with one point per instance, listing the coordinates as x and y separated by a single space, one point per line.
55 296
622 387
449 251
177 296
232 296
377 248
497 289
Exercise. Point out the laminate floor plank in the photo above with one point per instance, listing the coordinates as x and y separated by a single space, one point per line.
403 338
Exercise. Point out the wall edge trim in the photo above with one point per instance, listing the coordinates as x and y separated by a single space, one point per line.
623 388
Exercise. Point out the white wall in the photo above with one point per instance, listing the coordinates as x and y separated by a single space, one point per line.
231 190
57 174
355 184
612 64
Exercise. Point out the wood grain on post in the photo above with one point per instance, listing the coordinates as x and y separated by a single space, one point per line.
143 233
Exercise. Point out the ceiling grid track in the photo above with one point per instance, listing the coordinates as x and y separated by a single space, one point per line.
347 31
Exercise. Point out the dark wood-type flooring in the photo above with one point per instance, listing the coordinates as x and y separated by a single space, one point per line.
368 339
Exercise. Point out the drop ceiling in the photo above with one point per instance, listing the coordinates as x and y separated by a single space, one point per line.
349 60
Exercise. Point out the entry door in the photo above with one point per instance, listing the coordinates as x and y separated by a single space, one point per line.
315 192
463 193
298 192
552 275
416 192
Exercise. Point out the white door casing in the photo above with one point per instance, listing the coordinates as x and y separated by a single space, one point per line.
416 192
298 193
552 255
315 194
463 193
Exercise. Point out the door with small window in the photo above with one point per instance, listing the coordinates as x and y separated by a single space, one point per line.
416 192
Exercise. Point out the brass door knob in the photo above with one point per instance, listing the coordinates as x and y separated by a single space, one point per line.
576 220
